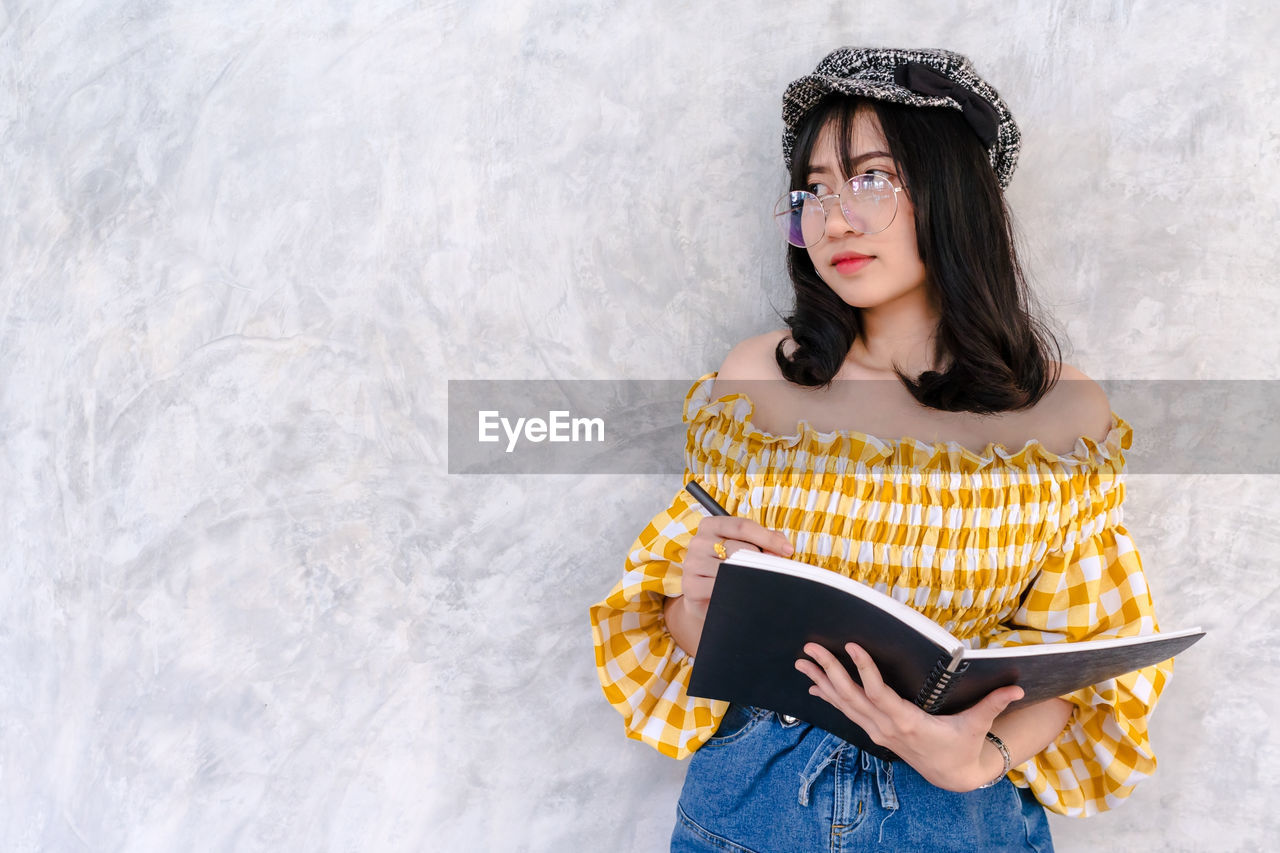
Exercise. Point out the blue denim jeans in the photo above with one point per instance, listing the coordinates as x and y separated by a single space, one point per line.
762 784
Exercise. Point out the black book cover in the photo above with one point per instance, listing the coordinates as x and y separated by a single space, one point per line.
1044 672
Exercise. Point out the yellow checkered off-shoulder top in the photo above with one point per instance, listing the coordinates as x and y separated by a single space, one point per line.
999 547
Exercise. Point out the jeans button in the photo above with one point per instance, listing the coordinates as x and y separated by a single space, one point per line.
787 719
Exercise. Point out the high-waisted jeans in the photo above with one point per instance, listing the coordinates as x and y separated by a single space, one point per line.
764 784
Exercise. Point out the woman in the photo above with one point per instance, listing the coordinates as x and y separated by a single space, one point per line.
904 271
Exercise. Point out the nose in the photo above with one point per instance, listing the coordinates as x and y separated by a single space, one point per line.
839 224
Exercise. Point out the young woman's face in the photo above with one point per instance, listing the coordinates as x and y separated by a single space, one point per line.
894 270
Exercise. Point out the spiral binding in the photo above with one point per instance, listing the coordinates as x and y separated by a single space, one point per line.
935 688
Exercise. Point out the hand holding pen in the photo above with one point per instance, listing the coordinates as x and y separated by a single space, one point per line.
716 539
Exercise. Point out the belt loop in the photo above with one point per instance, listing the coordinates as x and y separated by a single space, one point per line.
884 783
828 748
888 794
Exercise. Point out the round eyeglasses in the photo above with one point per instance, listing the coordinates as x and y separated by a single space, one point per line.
869 203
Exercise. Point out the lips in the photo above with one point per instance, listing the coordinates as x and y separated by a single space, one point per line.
850 262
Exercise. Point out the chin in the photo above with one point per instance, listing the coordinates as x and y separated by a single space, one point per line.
858 294
868 293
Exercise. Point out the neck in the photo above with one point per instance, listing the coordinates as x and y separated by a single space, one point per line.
901 336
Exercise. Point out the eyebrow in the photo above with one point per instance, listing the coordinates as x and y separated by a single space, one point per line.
870 155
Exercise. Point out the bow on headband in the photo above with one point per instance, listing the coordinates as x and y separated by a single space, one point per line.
977 110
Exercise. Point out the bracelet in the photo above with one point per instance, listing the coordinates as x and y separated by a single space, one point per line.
1004 752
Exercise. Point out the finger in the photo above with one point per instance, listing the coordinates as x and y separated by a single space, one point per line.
713 559
707 536
702 565
838 677
848 699
817 675
732 545
994 704
847 702
873 685
893 715
750 532
825 693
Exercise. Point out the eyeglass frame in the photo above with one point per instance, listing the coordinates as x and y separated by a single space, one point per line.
826 213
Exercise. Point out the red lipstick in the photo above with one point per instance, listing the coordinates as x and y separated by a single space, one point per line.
847 263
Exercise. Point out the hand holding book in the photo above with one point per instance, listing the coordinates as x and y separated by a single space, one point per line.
947 750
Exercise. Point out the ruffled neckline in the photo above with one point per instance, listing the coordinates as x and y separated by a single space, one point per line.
733 412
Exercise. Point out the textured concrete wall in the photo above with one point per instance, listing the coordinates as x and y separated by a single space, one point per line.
245 244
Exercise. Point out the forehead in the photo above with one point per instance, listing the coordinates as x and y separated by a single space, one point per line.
864 135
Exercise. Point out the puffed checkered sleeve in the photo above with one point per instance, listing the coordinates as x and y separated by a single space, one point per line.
1092 586
643 672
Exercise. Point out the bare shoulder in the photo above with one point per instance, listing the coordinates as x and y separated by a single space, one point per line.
753 359
751 369
1076 406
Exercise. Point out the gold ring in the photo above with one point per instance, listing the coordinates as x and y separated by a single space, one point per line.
719 549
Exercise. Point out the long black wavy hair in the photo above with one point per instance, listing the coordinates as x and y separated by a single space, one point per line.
992 353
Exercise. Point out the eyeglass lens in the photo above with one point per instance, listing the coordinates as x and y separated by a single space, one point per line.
868 202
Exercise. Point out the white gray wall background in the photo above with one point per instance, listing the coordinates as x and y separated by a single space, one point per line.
244 245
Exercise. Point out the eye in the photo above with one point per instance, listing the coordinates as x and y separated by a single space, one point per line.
887 174
819 189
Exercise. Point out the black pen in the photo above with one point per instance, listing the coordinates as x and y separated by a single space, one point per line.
705 499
